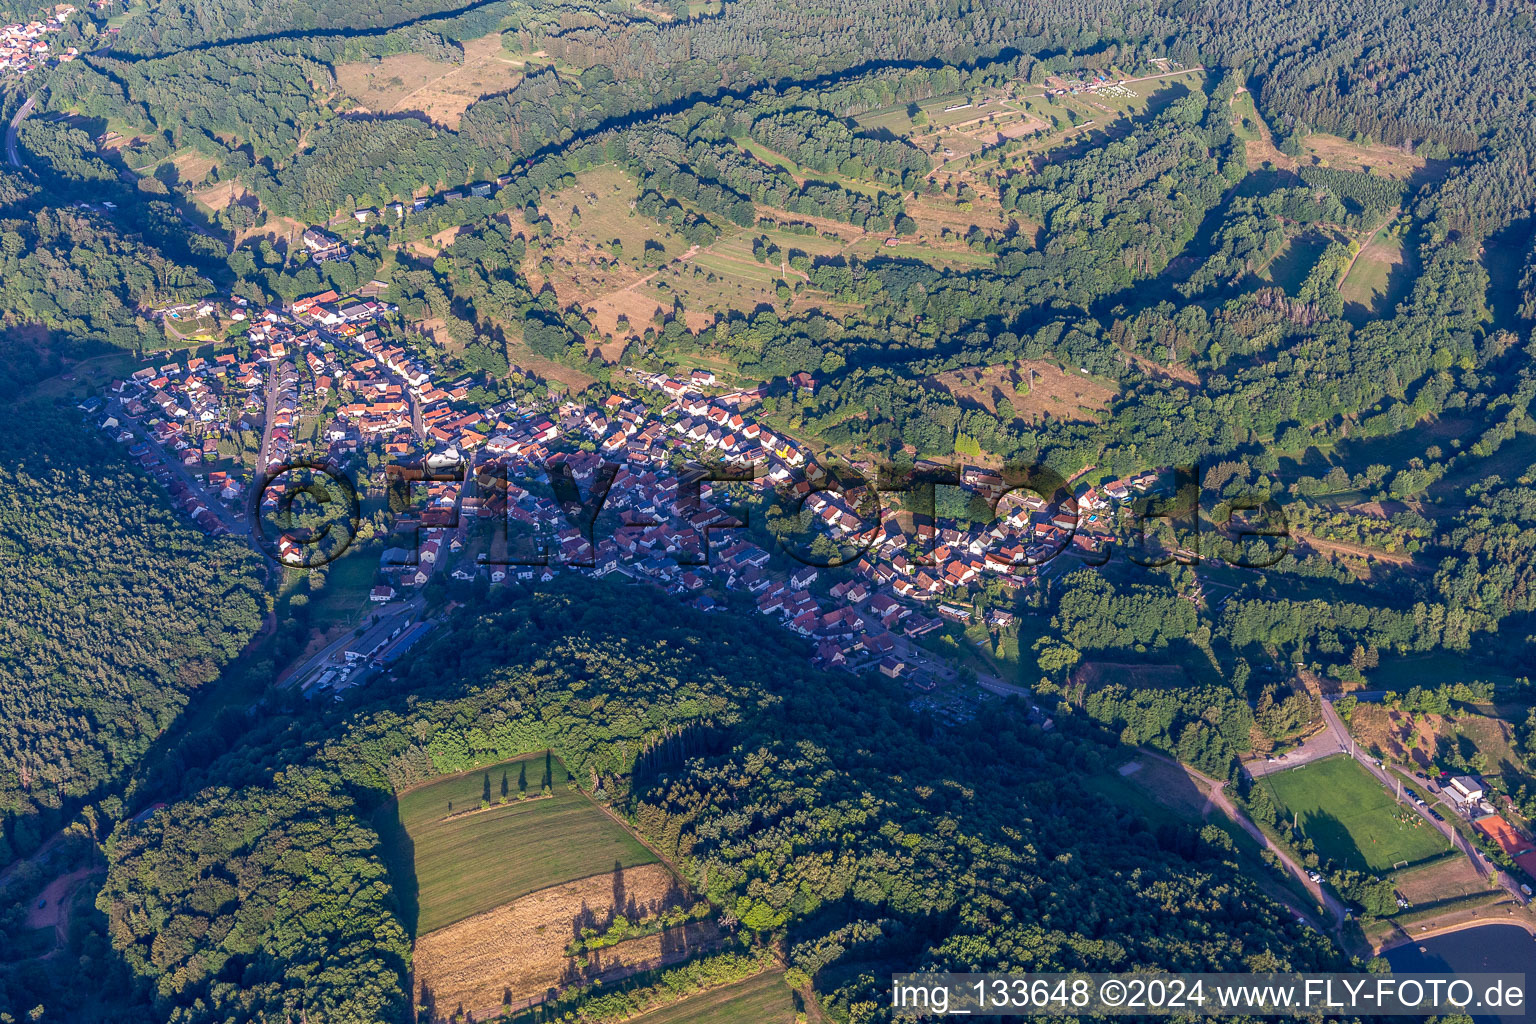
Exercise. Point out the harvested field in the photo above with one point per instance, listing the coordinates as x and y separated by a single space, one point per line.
1037 389
515 954
440 91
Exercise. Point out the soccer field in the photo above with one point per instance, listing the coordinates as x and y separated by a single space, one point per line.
1351 818
466 860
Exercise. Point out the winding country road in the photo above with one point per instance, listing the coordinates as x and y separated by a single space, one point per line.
12 155
1392 782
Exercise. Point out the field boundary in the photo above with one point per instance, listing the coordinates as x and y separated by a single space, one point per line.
434 780
496 807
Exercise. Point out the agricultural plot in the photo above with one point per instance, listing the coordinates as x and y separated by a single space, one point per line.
466 859
623 287
584 265
1090 118
762 999
943 220
1351 819
513 955
726 276
442 91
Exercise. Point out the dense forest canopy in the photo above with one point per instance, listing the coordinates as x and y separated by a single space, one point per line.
779 825
123 613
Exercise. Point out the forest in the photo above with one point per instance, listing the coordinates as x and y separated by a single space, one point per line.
784 818
124 611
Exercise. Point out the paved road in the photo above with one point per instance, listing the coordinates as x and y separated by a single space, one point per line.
301 671
12 154
1216 794
1335 739
172 460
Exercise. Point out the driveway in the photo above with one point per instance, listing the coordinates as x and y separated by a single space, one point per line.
1333 739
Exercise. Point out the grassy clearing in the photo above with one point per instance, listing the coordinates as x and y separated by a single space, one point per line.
1295 261
467 863
1259 145
1139 676
1451 877
1350 818
761 999
1430 670
802 174
1168 795
344 598
1388 161
1246 122
583 264
1379 278
409 81
1037 390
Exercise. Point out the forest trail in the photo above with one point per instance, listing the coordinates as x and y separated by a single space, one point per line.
1365 243
1370 554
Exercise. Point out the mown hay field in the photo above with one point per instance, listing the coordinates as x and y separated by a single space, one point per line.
466 863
